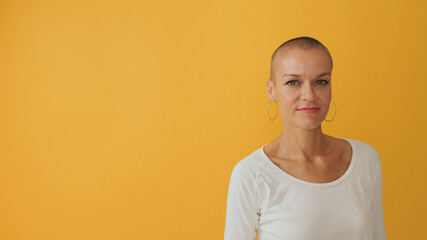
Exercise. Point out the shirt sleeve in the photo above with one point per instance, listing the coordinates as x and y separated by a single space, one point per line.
241 221
380 233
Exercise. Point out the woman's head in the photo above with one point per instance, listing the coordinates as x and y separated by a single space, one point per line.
300 77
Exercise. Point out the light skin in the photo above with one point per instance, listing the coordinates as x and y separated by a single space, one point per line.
302 78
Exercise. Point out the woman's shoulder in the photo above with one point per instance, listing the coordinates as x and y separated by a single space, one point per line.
365 154
363 147
250 164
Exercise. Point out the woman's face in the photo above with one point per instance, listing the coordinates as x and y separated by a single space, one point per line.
302 79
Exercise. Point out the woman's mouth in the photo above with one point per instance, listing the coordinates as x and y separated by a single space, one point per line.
308 110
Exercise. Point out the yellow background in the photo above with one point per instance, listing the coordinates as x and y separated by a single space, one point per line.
124 119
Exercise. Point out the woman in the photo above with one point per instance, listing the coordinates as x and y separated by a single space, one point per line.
305 185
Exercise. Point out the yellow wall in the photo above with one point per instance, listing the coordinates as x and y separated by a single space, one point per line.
123 119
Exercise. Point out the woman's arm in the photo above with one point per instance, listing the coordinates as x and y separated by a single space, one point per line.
380 232
242 205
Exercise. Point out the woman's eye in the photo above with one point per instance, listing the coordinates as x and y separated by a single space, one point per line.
323 82
292 82
319 82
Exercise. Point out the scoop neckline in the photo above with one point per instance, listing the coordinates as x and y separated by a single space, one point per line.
312 184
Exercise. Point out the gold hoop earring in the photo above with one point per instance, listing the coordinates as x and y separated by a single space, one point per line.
268 111
334 114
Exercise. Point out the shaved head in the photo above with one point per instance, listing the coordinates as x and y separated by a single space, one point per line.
303 43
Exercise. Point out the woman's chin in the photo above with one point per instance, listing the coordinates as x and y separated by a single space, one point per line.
308 125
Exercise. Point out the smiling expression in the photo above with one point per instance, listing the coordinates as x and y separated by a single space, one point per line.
301 79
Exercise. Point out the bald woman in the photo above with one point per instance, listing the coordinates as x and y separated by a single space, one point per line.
305 185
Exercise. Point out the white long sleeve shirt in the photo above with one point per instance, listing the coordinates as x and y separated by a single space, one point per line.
265 199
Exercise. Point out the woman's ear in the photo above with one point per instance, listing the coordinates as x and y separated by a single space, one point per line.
270 90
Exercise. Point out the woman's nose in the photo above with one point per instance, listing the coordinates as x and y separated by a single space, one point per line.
307 92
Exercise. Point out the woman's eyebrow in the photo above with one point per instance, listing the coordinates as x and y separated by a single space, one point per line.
296 75
324 74
290 74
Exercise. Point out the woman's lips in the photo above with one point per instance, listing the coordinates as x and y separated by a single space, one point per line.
308 110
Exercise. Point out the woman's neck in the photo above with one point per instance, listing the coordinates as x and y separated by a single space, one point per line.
302 144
